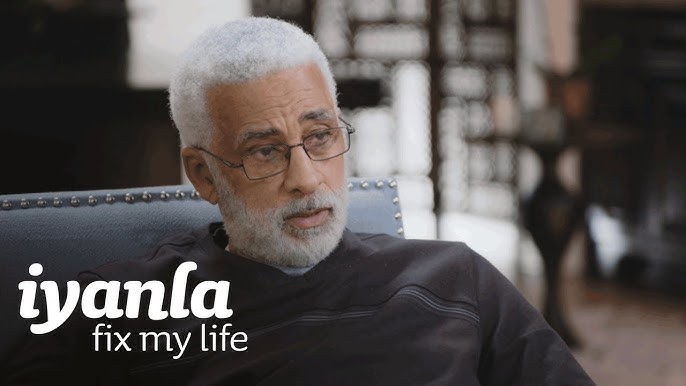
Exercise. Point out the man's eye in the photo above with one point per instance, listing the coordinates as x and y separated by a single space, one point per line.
265 152
321 137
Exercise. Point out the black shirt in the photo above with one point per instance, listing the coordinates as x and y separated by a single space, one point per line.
379 310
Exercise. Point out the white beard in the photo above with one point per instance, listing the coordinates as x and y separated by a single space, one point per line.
266 237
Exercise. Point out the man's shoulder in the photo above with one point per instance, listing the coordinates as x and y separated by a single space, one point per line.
447 268
386 245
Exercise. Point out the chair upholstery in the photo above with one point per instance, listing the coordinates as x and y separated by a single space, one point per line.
68 232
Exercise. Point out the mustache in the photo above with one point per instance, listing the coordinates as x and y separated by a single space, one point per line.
321 199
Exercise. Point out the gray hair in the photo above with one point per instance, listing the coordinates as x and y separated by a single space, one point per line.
236 52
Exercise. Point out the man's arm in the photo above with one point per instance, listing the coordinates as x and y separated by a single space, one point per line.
518 345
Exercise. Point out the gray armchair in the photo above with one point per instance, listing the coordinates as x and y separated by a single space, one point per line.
68 232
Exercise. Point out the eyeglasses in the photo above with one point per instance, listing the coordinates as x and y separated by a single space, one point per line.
269 160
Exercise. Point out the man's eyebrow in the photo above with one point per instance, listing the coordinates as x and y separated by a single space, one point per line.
256 134
313 115
316 115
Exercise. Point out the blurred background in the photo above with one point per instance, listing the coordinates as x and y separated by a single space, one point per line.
547 135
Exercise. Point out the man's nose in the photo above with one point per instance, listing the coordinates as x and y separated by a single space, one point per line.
301 176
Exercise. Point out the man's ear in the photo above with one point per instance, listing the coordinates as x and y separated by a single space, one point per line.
199 174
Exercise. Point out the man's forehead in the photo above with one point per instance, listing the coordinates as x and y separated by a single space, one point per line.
254 109
269 128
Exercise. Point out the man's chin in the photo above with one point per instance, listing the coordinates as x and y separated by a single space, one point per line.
303 235
287 247
311 245
277 237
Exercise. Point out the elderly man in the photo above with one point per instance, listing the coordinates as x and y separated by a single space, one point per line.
314 304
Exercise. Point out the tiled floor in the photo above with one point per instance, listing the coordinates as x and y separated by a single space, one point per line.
628 336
